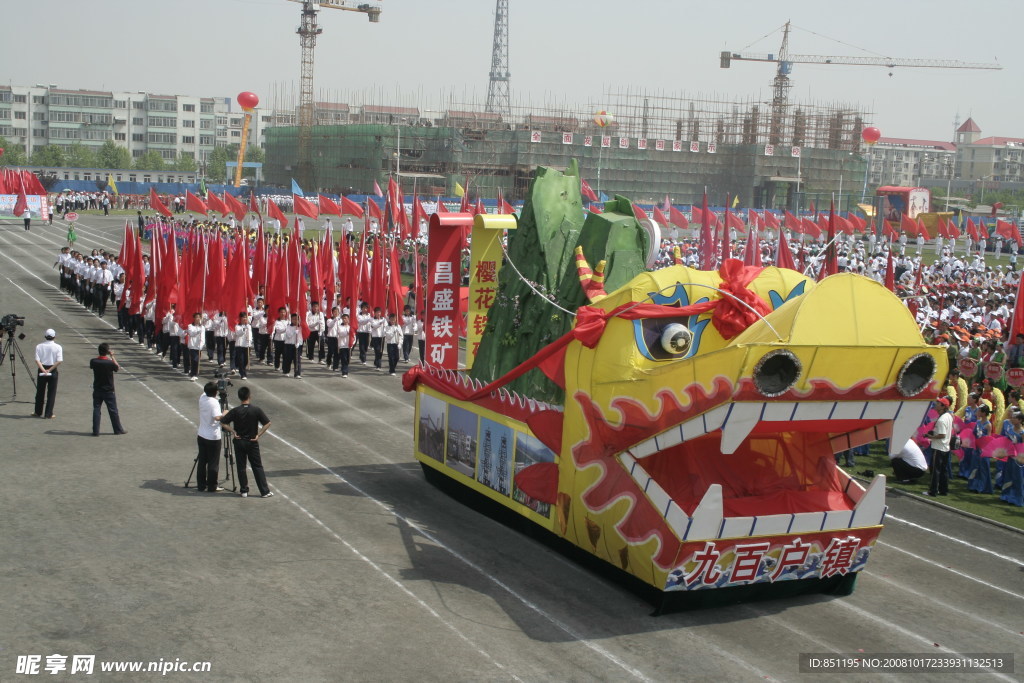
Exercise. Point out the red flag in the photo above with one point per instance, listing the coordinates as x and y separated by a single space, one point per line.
21 203
254 205
972 231
316 283
157 205
952 230
275 212
890 276
770 219
752 253
376 189
329 206
304 207
194 203
888 232
908 225
792 222
922 230
587 191
479 208
734 221
809 227
725 243
503 206
419 215
594 208
707 238
259 260
375 211
811 209
753 219
234 206
464 206
784 257
831 264
349 207
940 227
659 217
215 203
640 214
677 218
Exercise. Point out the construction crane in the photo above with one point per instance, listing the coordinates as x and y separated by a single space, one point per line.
785 61
308 31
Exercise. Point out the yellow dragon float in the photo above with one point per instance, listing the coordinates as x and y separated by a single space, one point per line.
694 444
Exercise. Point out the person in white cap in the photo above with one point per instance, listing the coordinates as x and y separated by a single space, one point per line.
49 355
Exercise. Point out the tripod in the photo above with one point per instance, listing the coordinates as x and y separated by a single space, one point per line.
10 348
228 448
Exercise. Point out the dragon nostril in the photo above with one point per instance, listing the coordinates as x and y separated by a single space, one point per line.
776 372
915 375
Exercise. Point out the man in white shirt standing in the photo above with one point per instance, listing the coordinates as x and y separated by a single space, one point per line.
49 355
940 436
208 438
104 278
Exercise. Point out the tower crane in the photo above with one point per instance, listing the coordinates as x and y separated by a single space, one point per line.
785 61
308 31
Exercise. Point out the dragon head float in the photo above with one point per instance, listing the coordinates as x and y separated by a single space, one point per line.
694 446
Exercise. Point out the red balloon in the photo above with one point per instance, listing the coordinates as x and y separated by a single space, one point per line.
248 100
871 135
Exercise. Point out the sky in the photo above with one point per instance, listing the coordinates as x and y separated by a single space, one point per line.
560 52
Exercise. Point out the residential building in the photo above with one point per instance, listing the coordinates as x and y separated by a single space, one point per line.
175 126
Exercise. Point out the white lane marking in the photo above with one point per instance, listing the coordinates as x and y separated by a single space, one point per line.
636 673
959 611
399 585
953 571
954 539
928 642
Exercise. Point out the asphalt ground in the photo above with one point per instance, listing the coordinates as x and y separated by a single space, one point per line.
358 569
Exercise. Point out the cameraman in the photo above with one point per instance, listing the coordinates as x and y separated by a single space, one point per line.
208 438
247 423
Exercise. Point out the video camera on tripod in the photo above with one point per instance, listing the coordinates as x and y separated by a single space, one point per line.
8 326
10 322
222 387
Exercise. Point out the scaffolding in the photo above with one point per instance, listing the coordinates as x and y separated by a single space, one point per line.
643 151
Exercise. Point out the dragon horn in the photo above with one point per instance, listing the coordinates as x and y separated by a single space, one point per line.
591 281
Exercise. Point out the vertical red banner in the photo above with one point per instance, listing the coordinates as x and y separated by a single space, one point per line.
444 313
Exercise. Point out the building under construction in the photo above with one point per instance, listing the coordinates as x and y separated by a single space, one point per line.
647 146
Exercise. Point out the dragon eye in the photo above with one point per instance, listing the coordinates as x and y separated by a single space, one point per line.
676 339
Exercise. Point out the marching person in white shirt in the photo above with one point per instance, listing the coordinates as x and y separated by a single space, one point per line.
343 330
363 319
408 332
196 340
280 325
243 344
219 324
377 323
316 324
392 338
293 347
331 335
261 340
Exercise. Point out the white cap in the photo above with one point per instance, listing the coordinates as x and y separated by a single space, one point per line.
49 334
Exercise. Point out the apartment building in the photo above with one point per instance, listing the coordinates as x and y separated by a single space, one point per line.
175 126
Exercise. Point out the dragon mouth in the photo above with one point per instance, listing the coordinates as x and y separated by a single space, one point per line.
766 468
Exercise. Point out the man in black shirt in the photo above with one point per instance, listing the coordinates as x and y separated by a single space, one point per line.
103 369
247 423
